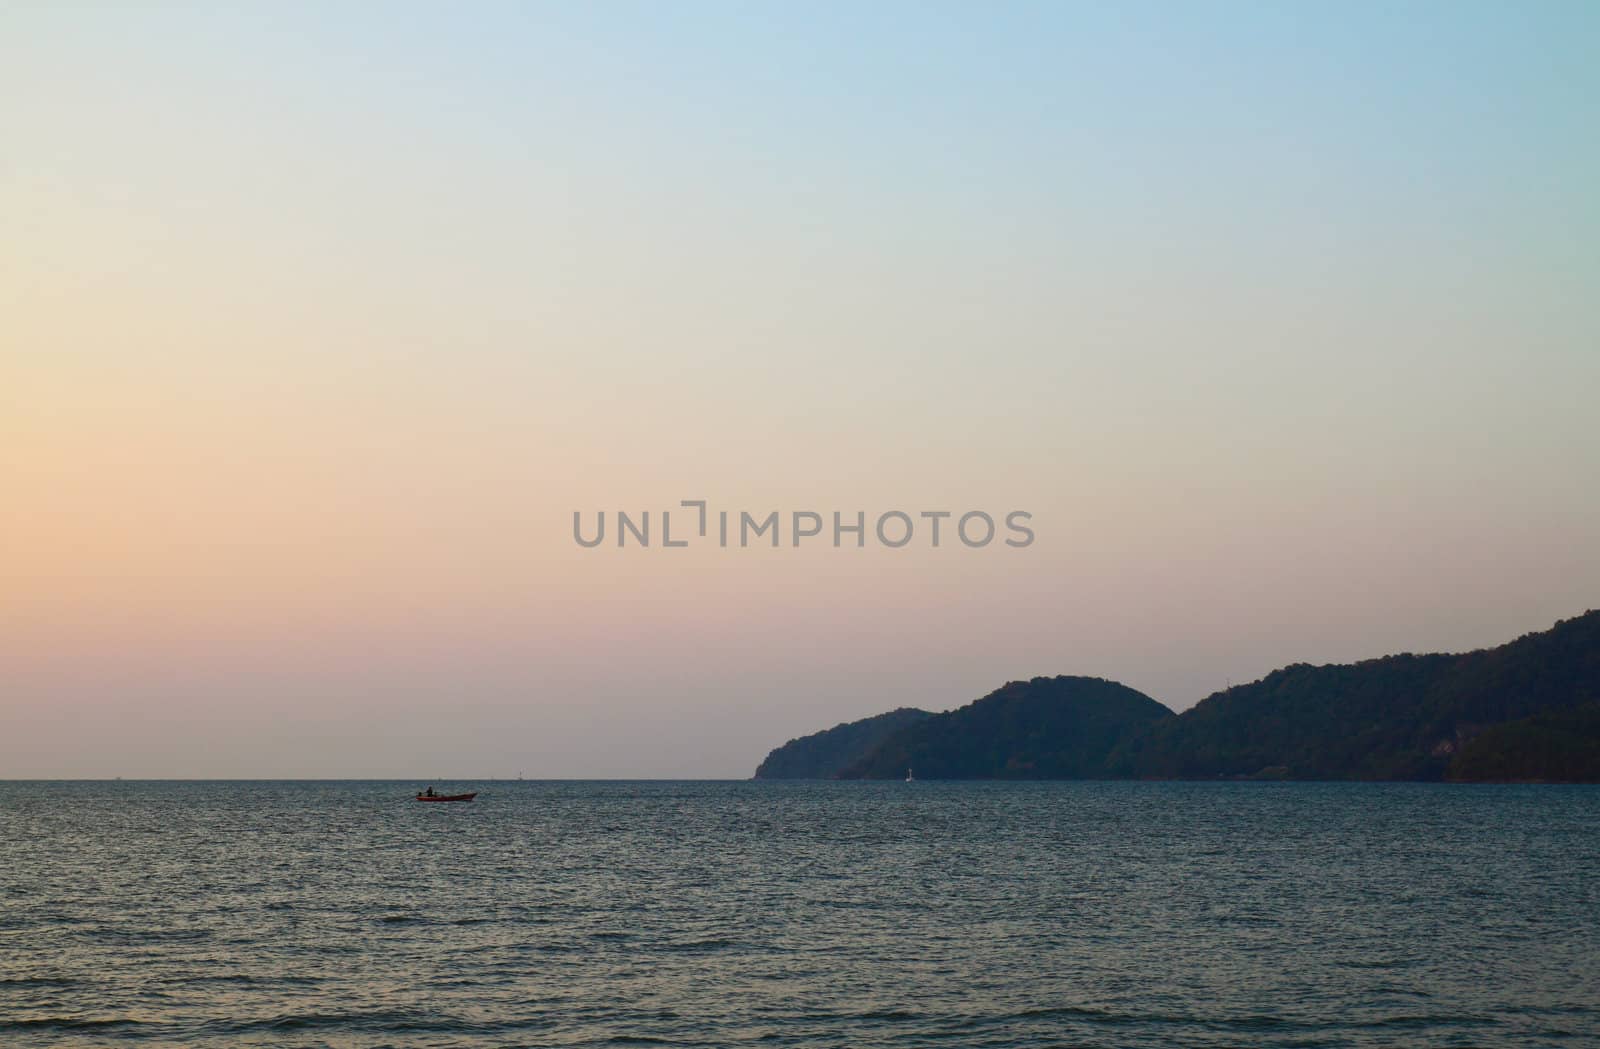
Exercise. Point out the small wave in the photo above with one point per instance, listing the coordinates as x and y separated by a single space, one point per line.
66 1023
379 1020
548 948
1083 1013
1422 1022
39 981
1079 1011
139 937
1375 963
699 946
870 1015
211 978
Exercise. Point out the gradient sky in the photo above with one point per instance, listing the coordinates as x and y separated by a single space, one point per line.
318 322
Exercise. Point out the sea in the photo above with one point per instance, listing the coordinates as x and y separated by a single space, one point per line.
861 915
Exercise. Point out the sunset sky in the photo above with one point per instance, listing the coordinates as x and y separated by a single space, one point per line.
317 324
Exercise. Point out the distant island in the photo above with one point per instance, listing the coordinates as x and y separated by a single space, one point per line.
1527 711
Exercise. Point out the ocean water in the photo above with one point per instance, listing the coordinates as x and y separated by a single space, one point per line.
799 914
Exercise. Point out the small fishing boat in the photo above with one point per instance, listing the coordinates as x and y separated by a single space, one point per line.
447 797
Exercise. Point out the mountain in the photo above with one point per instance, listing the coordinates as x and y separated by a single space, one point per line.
822 755
1400 717
1046 728
1525 711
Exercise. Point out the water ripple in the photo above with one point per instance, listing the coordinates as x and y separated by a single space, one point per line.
863 915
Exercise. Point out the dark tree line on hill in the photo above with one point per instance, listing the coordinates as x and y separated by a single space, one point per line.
822 754
1526 711
1047 728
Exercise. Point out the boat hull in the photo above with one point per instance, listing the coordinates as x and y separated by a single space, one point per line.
447 797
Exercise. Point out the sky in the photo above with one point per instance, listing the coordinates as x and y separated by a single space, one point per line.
319 323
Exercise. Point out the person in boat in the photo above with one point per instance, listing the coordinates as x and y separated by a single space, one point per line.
428 793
